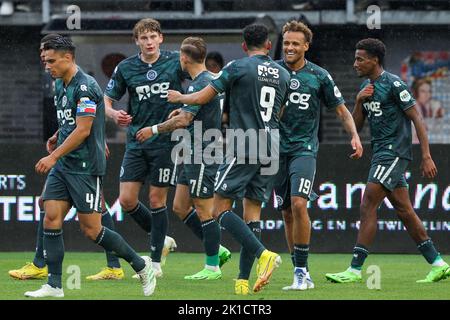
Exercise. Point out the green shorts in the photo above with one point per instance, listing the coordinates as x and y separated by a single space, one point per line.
200 178
388 171
295 178
83 191
237 181
141 165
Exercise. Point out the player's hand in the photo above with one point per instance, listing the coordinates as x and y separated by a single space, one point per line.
174 96
365 93
428 168
51 143
122 118
45 164
174 113
144 134
357 147
107 153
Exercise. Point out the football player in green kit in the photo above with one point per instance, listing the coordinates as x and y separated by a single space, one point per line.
388 105
76 168
38 268
299 124
195 183
257 89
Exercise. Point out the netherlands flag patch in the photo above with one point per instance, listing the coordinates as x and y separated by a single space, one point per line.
86 105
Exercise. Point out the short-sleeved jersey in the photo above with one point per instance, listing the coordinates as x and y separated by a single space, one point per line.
82 97
390 128
147 86
209 114
299 124
256 87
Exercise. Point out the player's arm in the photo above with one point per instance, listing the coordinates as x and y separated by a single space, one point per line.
181 120
349 125
51 142
427 166
196 98
120 117
358 114
78 135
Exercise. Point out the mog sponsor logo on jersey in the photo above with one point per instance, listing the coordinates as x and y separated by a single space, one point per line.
301 99
268 74
373 107
145 92
65 115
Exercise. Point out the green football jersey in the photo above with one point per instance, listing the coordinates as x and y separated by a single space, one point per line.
299 123
209 114
256 88
81 98
390 128
147 86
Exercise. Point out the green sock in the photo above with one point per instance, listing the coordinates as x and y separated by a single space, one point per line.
54 255
246 259
112 241
211 241
160 224
111 258
428 250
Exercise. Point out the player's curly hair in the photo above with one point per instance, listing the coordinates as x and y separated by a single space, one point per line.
255 35
373 47
145 25
194 48
297 26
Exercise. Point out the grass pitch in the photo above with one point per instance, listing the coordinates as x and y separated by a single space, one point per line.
398 279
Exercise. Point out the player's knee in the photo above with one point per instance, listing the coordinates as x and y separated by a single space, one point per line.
180 210
127 203
89 232
298 206
156 201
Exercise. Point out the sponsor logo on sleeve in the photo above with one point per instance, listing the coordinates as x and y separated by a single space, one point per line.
86 105
405 96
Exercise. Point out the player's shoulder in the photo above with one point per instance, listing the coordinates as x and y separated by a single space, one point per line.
318 71
392 79
170 55
86 83
132 60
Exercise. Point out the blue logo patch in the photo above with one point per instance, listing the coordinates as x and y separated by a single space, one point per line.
151 75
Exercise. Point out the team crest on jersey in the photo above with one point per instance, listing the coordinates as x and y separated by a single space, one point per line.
151 75
64 101
405 96
295 84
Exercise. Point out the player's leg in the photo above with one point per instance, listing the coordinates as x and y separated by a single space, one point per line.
90 224
160 175
399 198
211 240
288 221
252 217
373 196
86 195
113 270
132 175
55 211
38 268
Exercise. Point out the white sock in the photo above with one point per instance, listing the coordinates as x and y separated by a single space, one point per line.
212 268
439 262
356 271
